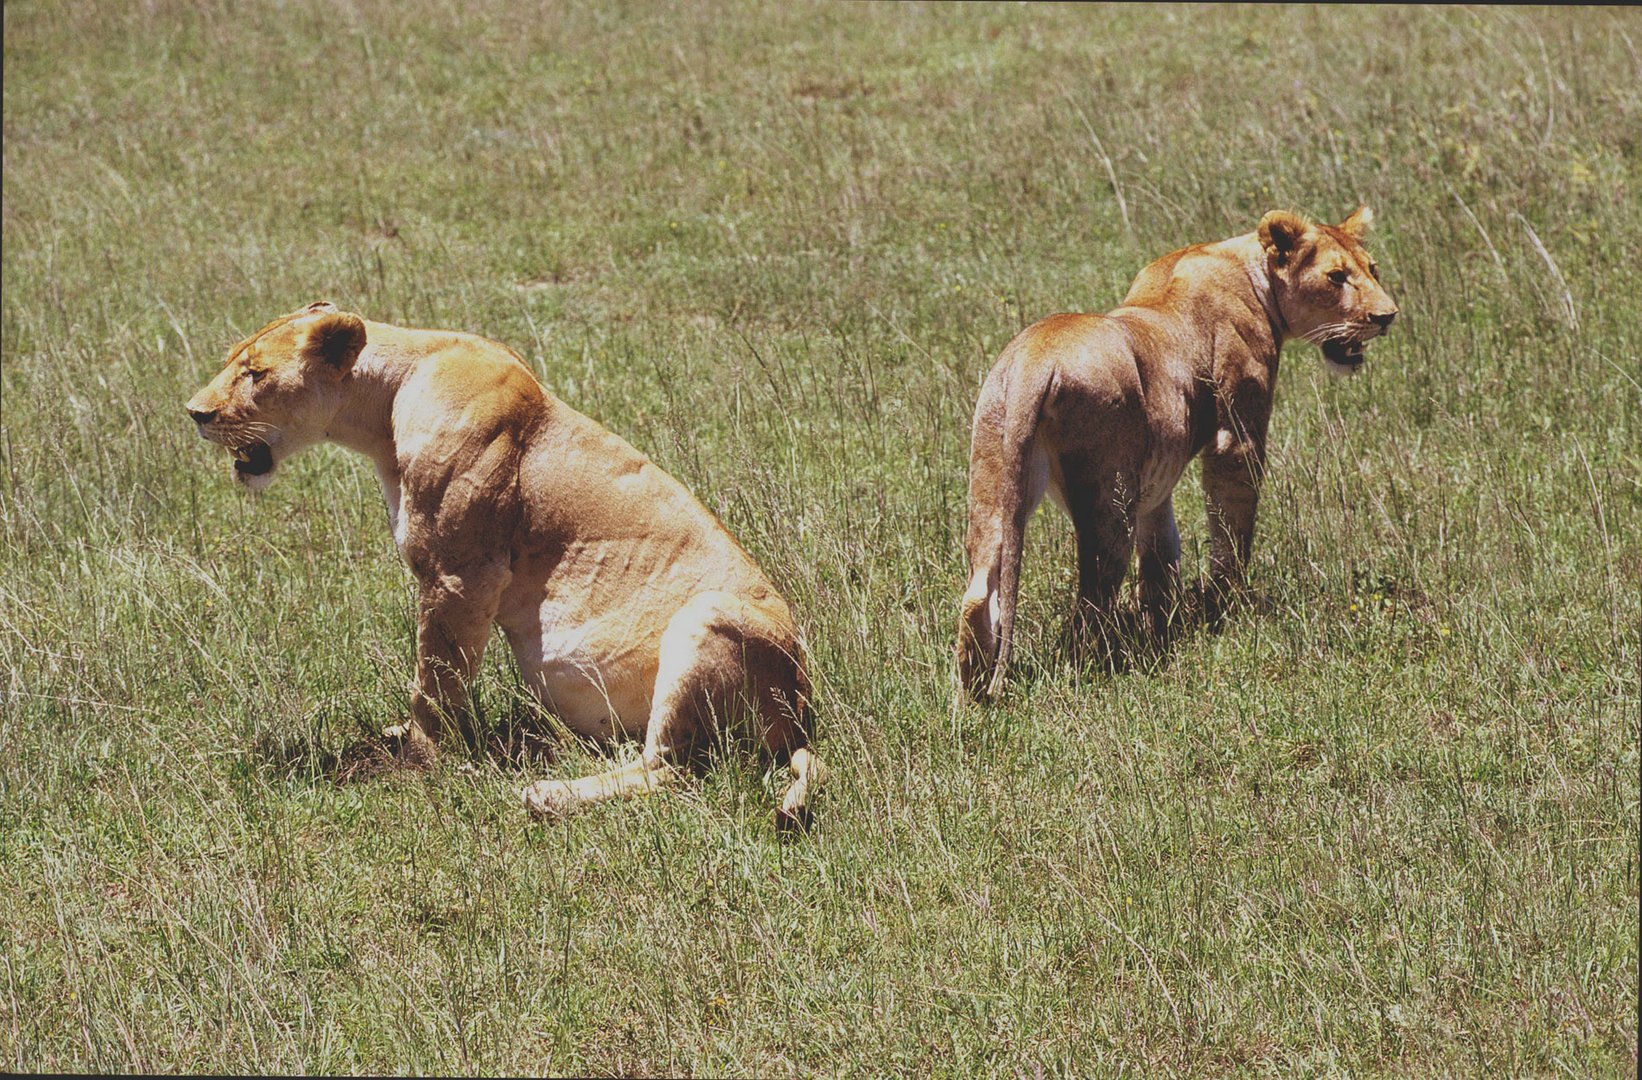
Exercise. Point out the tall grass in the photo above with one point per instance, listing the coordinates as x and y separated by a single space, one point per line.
1388 823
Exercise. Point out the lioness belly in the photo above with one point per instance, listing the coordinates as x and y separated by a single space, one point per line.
596 673
1161 471
1168 438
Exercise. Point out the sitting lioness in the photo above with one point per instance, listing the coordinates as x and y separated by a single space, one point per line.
629 607
1103 413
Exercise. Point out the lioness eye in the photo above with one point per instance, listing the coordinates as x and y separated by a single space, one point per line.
254 375
1338 276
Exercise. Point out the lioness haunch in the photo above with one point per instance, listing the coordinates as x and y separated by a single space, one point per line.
628 606
1103 413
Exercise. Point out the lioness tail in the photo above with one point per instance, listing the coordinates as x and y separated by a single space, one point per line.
1025 388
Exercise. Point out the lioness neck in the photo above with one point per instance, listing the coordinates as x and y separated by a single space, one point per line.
1258 300
363 421
1246 250
461 364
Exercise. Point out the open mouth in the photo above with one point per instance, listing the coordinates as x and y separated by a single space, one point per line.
1346 352
253 459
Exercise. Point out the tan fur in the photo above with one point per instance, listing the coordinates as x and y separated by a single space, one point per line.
1104 412
628 606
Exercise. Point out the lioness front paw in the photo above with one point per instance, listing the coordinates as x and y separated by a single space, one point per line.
409 746
550 799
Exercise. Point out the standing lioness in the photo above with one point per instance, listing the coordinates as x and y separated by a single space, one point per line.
629 608
1103 413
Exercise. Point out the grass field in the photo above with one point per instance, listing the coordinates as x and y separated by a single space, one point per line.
1386 823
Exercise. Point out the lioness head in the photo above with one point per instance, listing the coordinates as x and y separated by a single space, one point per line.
1326 285
279 390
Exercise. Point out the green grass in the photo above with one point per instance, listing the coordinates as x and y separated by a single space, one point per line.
1386 824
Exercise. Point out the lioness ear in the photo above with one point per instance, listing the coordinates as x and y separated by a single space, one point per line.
334 339
1280 233
1356 226
319 305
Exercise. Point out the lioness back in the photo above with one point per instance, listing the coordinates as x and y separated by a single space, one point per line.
473 423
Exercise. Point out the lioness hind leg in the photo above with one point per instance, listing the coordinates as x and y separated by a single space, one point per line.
716 659
672 727
1105 539
560 798
685 681
1158 540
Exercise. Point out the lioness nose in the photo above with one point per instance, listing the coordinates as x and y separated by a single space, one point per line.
1382 320
200 416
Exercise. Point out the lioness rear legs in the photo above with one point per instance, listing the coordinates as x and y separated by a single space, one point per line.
720 658
1158 540
1105 538
1105 544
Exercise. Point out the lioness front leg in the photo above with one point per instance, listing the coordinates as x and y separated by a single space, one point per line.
454 616
1232 472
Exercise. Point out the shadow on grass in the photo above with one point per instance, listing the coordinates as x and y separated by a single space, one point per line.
521 740
1125 639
